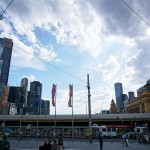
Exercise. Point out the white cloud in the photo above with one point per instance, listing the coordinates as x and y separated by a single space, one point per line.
5 27
110 68
72 24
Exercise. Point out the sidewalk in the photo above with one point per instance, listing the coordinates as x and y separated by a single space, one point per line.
33 145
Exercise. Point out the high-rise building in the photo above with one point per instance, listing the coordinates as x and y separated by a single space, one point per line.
24 85
35 97
15 97
45 107
131 95
118 93
5 58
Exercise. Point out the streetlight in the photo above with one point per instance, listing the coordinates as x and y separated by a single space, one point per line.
135 127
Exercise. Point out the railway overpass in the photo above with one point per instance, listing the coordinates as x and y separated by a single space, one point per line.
78 119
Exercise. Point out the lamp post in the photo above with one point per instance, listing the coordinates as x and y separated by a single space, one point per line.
135 127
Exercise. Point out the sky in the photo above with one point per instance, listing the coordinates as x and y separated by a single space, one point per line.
104 39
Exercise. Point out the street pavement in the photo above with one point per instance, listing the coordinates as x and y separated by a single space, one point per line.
31 144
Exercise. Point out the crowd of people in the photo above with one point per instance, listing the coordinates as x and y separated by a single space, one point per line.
55 145
141 137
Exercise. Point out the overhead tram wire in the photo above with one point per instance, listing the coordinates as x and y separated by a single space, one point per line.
6 9
136 13
52 65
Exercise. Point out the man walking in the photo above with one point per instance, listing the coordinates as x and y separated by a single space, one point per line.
100 139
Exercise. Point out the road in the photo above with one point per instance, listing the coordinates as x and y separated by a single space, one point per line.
32 144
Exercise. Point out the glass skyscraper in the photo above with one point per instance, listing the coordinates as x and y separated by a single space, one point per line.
24 85
118 94
6 46
34 101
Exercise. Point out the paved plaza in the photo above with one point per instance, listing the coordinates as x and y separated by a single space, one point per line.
76 145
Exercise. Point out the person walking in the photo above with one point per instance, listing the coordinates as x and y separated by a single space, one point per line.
4 145
100 139
60 142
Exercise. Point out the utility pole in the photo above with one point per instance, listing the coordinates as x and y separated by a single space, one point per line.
89 107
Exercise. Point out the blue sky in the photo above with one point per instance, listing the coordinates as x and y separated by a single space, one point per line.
104 39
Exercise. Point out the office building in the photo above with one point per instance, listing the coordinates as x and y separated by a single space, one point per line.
118 94
131 95
45 107
6 46
24 85
34 100
15 97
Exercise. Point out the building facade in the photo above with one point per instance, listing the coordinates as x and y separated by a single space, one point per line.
131 95
118 94
141 103
14 97
6 46
34 101
24 85
45 107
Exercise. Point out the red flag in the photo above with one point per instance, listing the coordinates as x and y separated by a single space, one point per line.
53 94
70 95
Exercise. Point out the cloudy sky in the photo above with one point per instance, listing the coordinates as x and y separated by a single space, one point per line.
104 39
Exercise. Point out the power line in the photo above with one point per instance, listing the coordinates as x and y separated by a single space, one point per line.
6 8
52 65
135 13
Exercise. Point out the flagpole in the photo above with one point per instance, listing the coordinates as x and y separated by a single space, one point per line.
72 117
89 106
55 114
37 127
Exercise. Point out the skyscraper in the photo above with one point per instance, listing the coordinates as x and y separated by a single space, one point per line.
131 95
24 85
5 58
35 97
45 107
15 97
118 93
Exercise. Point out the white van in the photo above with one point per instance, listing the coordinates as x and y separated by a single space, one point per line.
107 132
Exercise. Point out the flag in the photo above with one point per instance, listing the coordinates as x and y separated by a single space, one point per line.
53 94
70 95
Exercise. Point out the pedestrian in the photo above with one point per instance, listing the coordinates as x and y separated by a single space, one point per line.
49 145
60 142
5 145
55 146
45 146
100 139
